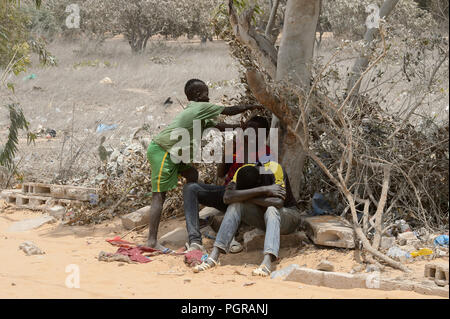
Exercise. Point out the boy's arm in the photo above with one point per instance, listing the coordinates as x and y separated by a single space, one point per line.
232 195
222 126
234 110
268 201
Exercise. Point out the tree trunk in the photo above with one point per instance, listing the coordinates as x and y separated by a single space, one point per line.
293 65
272 18
363 61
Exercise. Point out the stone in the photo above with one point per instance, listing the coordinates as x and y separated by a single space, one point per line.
56 211
29 224
135 219
431 291
387 242
284 272
254 240
306 276
208 211
406 237
30 248
176 238
327 279
325 265
344 281
372 268
333 231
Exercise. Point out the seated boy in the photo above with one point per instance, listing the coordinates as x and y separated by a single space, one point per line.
164 171
212 195
261 200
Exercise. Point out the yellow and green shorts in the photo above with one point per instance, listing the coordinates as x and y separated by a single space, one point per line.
164 172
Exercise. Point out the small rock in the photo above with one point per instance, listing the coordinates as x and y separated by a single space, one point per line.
186 281
249 284
325 265
106 80
387 242
56 211
30 248
357 268
372 268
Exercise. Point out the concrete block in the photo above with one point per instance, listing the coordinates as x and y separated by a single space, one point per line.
208 212
57 191
306 276
79 193
254 240
135 219
438 272
390 284
29 224
10 195
176 238
431 291
331 231
37 202
344 281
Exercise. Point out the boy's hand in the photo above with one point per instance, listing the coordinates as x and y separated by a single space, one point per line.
276 190
255 107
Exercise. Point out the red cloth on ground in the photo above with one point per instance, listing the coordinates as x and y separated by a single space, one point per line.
131 250
193 258
135 254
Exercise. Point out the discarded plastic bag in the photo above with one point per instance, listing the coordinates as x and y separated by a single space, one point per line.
396 252
103 128
422 252
441 240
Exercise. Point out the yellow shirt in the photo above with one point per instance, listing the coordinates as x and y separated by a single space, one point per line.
274 168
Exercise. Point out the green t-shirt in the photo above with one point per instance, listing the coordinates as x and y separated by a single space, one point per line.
204 111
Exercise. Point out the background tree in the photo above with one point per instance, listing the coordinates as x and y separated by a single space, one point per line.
318 124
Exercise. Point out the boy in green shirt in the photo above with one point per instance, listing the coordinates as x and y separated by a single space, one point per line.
164 171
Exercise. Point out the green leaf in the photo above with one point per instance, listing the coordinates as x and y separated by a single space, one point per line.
11 86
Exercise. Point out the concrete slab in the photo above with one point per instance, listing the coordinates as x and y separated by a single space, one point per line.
29 224
135 219
254 240
175 239
333 231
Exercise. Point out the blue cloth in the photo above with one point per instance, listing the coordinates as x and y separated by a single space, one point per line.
441 240
320 205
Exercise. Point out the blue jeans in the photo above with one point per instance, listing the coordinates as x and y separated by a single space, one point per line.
273 221
205 194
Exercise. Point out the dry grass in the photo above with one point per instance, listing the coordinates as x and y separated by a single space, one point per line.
70 98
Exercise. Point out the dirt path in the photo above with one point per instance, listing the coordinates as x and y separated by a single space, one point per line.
44 276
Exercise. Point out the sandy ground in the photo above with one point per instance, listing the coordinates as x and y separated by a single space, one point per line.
44 276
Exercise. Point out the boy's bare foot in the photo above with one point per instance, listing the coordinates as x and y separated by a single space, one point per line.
156 245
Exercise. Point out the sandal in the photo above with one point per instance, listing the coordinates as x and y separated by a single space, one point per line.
262 271
235 247
205 266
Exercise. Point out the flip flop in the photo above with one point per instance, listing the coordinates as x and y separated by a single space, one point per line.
262 271
205 266
236 247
